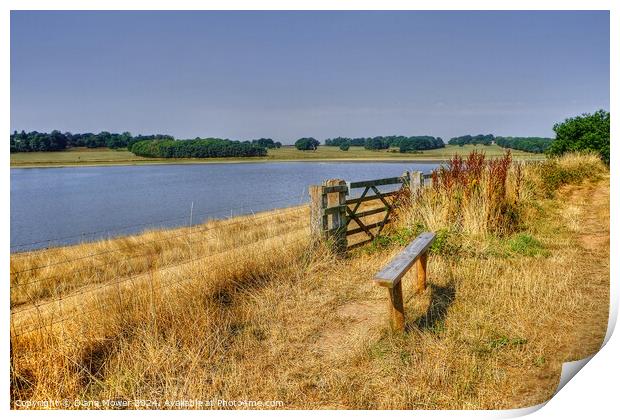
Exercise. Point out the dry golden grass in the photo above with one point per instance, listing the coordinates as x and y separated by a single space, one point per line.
66 268
266 318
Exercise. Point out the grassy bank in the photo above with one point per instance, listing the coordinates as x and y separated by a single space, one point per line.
247 309
104 156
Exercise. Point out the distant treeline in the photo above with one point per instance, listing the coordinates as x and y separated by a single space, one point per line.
35 141
197 148
54 141
485 139
405 143
526 144
337 141
267 143
586 132
42 142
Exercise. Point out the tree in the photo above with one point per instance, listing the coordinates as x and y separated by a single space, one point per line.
587 132
268 143
58 141
337 141
376 143
307 143
344 146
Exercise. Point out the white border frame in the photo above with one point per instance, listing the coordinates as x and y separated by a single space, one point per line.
594 393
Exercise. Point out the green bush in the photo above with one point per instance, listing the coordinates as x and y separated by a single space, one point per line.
585 133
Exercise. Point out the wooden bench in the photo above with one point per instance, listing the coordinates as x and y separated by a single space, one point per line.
390 276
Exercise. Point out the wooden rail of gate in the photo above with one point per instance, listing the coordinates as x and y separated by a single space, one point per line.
334 217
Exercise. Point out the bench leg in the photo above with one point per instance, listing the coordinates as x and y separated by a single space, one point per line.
396 308
421 265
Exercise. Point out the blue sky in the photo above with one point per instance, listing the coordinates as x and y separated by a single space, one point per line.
285 75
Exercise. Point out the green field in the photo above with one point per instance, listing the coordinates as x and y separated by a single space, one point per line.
103 156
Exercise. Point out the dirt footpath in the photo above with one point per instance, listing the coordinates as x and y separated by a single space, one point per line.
589 206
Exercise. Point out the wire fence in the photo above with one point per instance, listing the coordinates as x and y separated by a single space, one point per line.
138 245
35 308
157 223
61 296
221 224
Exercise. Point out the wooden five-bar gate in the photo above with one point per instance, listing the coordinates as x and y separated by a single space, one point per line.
335 217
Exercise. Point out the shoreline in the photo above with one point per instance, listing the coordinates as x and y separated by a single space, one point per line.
206 162
147 229
177 162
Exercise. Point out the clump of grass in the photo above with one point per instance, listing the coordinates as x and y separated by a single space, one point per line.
399 236
444 244
572 168
470 195
527 245
540 361
500 342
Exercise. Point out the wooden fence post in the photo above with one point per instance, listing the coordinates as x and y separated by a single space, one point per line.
337 229
421 266
407 180
316 212
416 182
407 176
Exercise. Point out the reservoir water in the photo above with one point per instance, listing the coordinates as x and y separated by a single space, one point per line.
55 206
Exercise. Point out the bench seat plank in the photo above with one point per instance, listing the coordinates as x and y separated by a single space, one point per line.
391 274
